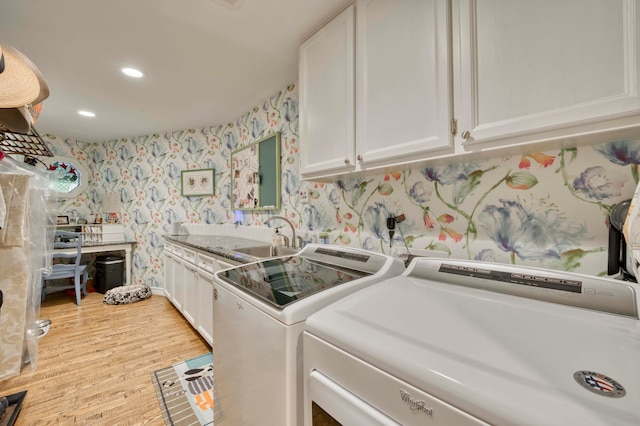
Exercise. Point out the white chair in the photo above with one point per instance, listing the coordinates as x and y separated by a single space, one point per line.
75 270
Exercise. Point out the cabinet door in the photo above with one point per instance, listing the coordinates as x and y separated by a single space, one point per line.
169 264
177 296
205 306
536 70
326 63
190 283
403 79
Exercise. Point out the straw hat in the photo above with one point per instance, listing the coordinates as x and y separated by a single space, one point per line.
44 89
19 80
18 83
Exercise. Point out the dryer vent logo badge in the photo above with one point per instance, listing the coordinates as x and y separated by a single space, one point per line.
599 384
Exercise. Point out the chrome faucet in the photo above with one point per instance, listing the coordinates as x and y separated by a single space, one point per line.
293 230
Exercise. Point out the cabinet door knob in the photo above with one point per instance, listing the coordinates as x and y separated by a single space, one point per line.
346 161
360 158
466 134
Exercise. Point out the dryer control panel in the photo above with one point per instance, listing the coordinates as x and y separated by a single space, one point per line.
583 291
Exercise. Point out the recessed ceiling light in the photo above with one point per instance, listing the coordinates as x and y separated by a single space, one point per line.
86 113
132 72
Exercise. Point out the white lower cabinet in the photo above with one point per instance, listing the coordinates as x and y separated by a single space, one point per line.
188 284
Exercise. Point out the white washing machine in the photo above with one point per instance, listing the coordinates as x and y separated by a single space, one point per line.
463 343
259 311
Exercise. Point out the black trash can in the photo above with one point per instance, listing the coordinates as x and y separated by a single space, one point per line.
109 272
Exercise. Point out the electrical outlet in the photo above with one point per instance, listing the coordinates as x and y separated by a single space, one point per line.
304 195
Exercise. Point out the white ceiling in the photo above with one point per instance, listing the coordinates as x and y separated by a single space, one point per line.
207 62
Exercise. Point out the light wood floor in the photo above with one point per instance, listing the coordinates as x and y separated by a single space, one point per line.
94 366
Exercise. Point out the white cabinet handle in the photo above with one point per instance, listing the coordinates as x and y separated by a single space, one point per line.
466 135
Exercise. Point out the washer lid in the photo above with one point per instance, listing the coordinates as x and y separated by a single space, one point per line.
284 280
502 358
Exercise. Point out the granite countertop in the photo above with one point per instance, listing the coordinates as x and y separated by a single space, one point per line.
222 246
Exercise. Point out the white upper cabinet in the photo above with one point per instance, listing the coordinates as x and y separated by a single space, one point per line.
436 78
529 71
402 87
403 83
327 103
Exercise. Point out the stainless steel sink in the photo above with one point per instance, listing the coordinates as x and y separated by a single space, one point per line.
267 251
256 251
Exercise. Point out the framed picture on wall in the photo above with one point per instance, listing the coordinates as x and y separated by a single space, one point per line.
63 220
198 182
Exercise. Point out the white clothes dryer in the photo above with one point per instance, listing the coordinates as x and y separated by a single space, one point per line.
453 342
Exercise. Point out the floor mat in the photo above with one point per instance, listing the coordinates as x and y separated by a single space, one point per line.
185 391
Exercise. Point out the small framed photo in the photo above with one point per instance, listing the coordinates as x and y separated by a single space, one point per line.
63 220
198 182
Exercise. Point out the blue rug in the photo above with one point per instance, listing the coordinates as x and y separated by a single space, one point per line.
185 391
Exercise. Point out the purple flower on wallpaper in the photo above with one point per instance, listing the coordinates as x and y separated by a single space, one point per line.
153 282
124 153
208 164
157 150
598 183
140 173
169 214
94 197
256 128
140 217
450 174
529 234
229 140
172 171
290 183
192 145
290 108
226 191
155 240
348 184
125 196
463 176
109 176
96 156
375 218
371 244
621 152
486 255
210 217
354 187
139 262
420 193
155 195
312 219
334 197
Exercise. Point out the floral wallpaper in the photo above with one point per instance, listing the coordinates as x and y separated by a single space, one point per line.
546 209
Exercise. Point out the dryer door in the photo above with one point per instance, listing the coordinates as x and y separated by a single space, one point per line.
333 405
